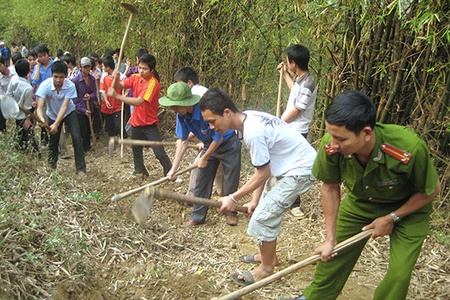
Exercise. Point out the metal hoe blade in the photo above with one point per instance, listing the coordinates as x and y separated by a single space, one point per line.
129 7
141 208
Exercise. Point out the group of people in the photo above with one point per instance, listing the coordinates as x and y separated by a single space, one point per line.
387 171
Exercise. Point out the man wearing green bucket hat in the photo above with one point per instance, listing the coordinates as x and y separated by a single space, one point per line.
218 148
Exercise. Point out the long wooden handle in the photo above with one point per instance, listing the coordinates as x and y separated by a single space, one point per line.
153 183
160 193
122 45
150 143
310 260
280 82
91 127
122 128
34 117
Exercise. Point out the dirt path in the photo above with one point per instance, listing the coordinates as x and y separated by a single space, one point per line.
109 256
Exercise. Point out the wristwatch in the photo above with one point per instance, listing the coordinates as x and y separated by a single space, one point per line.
394 217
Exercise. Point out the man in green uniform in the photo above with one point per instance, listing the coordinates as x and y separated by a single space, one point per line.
390 181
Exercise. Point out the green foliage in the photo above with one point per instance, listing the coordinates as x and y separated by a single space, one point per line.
396 51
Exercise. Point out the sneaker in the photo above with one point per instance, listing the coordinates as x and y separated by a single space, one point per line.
65 156
81 175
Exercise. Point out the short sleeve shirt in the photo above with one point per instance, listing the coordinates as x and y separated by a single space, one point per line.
22 91
54 100
384 179
199 127
149 90
272 141
44 73
303 97
105 83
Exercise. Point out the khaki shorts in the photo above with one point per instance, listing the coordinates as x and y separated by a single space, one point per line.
278 195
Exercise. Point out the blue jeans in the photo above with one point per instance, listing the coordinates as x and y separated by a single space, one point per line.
71 121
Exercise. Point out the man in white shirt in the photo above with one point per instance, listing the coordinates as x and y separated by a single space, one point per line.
282 159
302 98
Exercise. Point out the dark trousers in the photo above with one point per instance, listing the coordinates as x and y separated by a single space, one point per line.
25 137
112 124
149 133
85 131
71 121
2 122
97 121
229 155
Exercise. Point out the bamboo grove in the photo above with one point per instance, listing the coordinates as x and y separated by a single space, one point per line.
395 50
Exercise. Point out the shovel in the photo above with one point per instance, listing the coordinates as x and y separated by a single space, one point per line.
141 208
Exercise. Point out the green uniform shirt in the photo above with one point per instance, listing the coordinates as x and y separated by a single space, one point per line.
385 179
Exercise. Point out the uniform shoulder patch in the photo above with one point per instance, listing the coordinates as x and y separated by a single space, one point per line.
329 150
396 153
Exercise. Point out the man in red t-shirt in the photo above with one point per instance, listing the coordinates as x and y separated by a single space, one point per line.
111 107
144 120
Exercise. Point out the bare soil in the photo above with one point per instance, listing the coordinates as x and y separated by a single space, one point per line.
112 257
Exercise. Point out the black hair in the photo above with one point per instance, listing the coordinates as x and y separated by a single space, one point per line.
117 51
141 52
150 61
59 67
41 48
108 61
22 67
94 55
15 57
352 109
185 74
299 54
59 53
2 60
92 62
108 53
31 52
70 58
216 100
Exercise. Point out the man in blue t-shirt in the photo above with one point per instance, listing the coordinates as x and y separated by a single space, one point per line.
218 148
